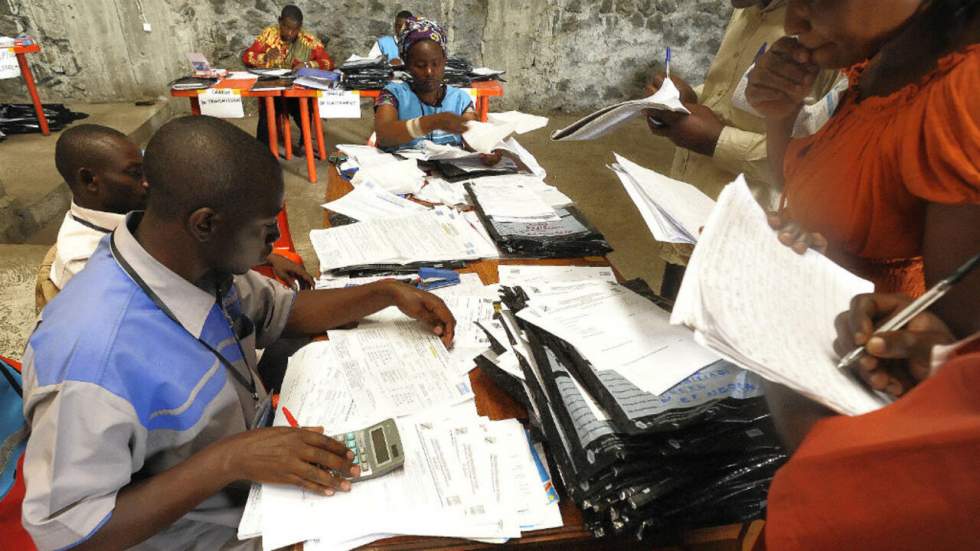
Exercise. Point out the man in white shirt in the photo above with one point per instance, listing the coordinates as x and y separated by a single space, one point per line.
104 171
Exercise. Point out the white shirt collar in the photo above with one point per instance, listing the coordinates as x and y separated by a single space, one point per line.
102 220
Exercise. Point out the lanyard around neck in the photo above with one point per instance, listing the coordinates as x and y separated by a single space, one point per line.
247 384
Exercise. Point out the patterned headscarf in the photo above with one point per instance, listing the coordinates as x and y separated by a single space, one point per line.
418 29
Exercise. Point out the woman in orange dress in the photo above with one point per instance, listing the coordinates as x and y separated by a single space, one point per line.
891 184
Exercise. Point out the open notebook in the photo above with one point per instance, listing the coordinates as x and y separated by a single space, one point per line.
767 309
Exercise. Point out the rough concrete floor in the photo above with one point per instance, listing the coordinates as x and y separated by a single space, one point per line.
577 168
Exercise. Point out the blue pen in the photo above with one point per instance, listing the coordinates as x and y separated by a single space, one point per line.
668 62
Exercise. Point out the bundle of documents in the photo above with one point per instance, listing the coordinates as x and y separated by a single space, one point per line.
464 475
193 83
398 176
439 234
674 211
485 73
773 315
370 201
366 73
590 127
457 72
700 453
565 234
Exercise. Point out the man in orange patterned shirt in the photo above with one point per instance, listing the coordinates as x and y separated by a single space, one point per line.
285 46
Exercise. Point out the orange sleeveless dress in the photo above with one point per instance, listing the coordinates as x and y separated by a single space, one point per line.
864 180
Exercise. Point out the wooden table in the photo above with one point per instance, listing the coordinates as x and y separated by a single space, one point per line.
245 86
494 403
25 71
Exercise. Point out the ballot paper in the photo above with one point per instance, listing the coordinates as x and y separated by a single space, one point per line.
510 200
513 275
522 122
399 177
530 162
427 150
484 137
369 201
667 98
616 329
439 234
438 191
546 193
674 211
768 309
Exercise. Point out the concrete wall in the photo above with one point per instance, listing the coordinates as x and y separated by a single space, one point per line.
569 55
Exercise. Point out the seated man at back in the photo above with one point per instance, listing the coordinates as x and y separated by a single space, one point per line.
405 114
104 171
141 387
388 45
285 46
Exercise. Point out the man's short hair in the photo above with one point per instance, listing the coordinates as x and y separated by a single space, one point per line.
84 146
289 11
404 14
195 162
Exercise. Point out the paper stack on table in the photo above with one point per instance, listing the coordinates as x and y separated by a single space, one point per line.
510 199
768 309
433 235
667 98
369 201
674 211
464 475
616 329
519 274
397 176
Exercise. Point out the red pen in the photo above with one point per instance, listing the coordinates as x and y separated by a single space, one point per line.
289 417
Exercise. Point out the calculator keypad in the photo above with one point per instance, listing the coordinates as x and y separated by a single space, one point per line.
360 453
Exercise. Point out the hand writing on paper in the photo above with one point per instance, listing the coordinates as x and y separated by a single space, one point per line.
302 457
781 79
427 308
273 56
698 131
688 95
290 272
895 361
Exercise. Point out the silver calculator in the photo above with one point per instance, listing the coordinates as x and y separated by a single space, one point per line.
377 449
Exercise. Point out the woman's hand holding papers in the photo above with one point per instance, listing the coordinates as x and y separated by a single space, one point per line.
793 236
491 159
301 457
895 361
447 122
425 307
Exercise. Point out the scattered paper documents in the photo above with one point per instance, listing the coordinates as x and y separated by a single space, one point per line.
616 329
768 309
514 275
674 211
369 201
667 98
433 235
487 136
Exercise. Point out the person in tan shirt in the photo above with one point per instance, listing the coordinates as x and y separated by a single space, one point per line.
719 141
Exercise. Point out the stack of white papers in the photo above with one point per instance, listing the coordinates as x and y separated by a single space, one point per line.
469 285
441 192
768 309
430 151
512 200
667 98
396 176
616 329
433 235
369 201
674 211
545 193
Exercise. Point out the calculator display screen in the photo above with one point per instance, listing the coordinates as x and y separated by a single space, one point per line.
380 445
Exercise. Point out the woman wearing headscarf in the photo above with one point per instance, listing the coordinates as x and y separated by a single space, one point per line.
425 109
890 186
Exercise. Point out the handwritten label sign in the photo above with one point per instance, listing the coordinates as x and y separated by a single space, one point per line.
225 103
339 104
9 68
